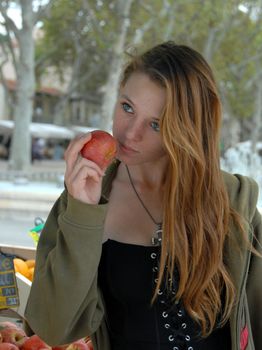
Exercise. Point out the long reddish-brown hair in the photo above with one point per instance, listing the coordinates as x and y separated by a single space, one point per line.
196 206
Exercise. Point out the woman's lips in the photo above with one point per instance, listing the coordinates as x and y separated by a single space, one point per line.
126 148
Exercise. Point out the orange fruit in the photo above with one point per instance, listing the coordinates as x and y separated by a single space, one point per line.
31 271
30 263
20 266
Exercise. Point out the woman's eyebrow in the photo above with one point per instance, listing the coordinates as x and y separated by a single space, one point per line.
127 98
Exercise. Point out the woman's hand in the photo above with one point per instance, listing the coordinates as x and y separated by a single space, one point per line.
83 177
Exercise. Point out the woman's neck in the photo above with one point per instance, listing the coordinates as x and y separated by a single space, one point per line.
147 176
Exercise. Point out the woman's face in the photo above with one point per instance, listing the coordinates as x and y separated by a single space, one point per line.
137 120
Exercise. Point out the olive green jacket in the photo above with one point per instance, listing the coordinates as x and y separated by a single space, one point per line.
65 301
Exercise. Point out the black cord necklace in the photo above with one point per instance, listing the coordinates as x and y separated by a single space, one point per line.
156 239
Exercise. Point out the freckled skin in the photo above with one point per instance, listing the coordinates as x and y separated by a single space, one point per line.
139 107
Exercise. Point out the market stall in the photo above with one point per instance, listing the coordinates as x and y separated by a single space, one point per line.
16 276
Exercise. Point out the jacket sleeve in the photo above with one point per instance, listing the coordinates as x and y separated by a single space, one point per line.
65 303
243 194
254 283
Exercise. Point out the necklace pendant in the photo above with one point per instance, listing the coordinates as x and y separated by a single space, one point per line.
157 238
156 241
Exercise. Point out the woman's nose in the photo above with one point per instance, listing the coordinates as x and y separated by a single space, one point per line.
134 131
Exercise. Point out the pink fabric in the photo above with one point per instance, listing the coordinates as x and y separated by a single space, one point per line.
244 338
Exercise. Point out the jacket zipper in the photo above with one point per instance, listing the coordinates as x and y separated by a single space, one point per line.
241 300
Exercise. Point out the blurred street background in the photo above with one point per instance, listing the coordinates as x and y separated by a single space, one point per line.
26 197
32 194
60 67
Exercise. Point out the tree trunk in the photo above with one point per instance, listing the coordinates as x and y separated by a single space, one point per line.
20 157
256 134
111 86
257 117
230 131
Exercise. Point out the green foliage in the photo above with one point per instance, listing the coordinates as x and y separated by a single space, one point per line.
230 39
74 31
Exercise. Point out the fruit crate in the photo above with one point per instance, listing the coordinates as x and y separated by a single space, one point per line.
23 284
16 314
18 251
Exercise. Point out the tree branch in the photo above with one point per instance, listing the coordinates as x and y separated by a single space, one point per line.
8 23
92 16
235 68
43 11
9 43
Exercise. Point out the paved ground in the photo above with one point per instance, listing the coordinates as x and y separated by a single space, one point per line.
38 165
20 205
21 201
16 232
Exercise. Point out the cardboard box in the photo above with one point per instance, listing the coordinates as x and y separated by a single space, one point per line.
19 251
23 284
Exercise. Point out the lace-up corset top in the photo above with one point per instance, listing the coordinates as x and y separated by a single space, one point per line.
127 277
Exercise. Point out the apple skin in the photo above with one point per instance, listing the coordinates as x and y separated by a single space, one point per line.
90 345
8 346
61 347
78 345
35 343
7 324
101 149
14 335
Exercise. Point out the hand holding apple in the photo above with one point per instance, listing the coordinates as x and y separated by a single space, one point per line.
83 176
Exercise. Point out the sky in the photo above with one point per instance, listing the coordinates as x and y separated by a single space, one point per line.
15 14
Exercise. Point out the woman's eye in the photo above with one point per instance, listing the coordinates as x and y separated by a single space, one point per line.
127 108
155 126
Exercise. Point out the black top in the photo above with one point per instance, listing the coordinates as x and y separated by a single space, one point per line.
127 277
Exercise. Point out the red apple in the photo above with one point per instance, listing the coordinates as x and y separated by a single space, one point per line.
89 345
60 347
101 149
78 345
14 335
8 346
35 343
7 324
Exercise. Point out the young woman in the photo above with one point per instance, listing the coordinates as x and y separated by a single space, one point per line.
161 250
